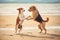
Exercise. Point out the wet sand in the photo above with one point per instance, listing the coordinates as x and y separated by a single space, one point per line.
26 34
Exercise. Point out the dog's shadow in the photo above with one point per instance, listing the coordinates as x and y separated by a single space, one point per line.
51 36
55 35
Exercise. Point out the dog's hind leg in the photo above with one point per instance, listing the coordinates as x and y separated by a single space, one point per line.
45 30
16 28
40 27
20 27
43 25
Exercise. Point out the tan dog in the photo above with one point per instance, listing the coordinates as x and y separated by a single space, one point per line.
20 19
38 18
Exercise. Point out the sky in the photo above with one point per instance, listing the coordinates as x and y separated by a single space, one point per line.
19 1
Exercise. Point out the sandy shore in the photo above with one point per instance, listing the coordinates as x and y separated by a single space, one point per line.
10 21
30 34
8 15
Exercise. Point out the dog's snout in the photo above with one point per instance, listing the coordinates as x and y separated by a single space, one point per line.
29 10
23 10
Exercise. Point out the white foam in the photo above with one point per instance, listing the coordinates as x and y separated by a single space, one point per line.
32 28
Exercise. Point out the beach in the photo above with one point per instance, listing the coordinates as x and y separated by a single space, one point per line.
30 31
29 34
10 21
8 13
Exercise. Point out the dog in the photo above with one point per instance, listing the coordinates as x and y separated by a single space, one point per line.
19 20
37 17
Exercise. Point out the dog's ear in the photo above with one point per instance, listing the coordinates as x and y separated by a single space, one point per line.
20 9
33 7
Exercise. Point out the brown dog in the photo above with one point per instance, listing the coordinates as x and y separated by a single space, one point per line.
20 19
37 17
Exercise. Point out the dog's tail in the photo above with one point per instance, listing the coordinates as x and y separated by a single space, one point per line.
46 20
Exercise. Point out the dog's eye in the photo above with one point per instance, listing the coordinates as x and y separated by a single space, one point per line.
30 8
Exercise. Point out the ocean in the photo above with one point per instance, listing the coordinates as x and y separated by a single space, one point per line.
44 8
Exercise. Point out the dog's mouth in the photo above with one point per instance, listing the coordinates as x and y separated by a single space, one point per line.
23 10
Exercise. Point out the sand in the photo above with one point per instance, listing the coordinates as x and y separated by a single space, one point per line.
10 21
7 23
30 34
